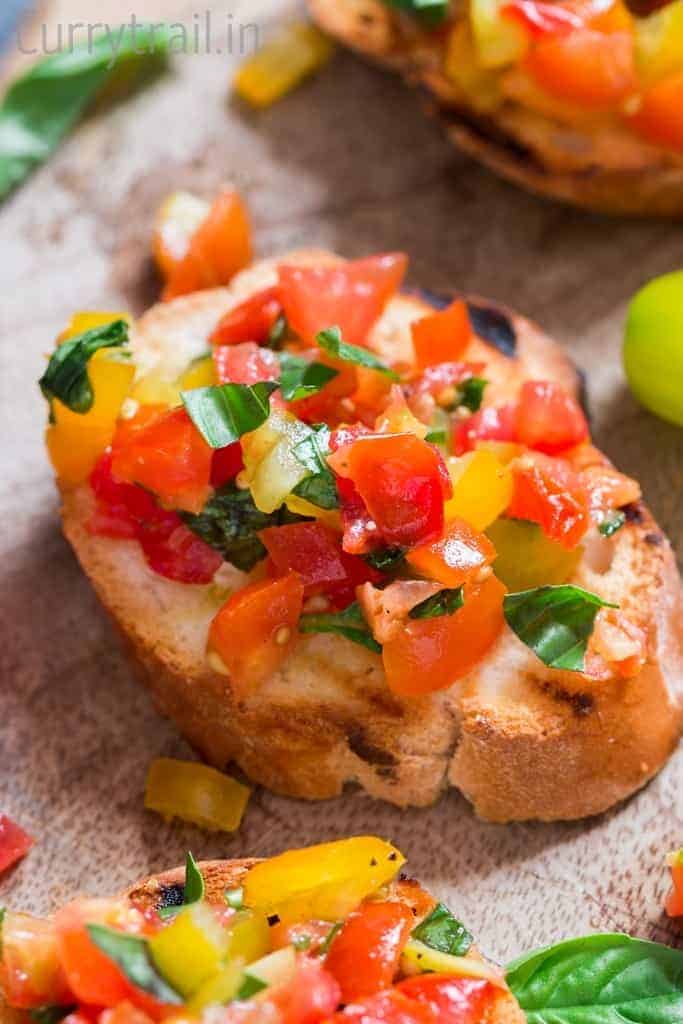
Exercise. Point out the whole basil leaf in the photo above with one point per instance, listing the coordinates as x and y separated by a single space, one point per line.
131 954
300 378
441 930
230 522
320 488
223 413
349 623
331 341
42 105
600 979
612 523
66 377
433 12
555 622
446 602
194 888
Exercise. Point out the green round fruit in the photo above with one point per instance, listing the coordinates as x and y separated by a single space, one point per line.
653 347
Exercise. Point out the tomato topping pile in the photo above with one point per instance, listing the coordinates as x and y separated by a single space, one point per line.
268 950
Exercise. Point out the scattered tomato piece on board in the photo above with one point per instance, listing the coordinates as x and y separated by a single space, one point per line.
674 903
14 842
196 793
298 50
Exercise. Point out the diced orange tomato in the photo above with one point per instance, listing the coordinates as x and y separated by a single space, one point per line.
674 903
350 295
442 337
14 842
30 972
548 419
165 453
177 220
327 405
364 956
432 654
585 67
549 493
542 19
251 320
660 116
245 363
256 629
124 1013
608 489
219 248
456 557
482 488
397 418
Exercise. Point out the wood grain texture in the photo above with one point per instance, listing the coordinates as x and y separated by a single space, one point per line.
350 163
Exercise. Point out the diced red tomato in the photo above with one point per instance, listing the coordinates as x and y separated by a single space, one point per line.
402 482
451 1000
218 250
312 995
252 320
245 363
674 903
608 489
14 842
30 972
310 549
432 654
660 116
493 423
357 572
364 955
167 456
589 68
442 337
326 406
549 493
543 19
388 1007
456 557
360 530
350 295
256 629
548 419
226 464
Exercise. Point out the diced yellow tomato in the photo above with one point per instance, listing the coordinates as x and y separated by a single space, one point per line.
323 882
398 419
178 218
463 67
527 558
88 320
191 949
201 373
220 989
248 936
75 441
659 42
196 793
295 53
482 488
272 469
329 516
154 388
499 41
504 451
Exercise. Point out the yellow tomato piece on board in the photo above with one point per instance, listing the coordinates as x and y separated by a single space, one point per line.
482 488
325 882
278 67
191 949
526 558
196 793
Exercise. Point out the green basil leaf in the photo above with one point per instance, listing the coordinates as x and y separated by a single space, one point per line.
612 523
194 889
235 898
278 333
331 341
446 602
386 559
437 437
433 12
230 523
300 378
321 487
349 623
42 105
472 393
50 1014
442 931
251 986
222 414
600 979
131 954
555 622
66 377
329 938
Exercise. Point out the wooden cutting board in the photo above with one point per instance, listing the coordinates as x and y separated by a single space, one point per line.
350 162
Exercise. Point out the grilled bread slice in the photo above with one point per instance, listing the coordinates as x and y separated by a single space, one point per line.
520 740
593 164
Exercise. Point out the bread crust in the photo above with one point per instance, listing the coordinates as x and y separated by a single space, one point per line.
520 740
529 149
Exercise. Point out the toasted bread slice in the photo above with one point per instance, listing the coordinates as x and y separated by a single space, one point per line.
592 164
166 889
520 740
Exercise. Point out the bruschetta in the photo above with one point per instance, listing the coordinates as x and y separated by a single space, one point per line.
579 101
327 933
352 534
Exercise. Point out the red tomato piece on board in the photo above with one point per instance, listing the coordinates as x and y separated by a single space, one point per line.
592 69
548 419
14 842
252 320
364 955
456 557
351 296
245 363
452 1000
442 337
493 423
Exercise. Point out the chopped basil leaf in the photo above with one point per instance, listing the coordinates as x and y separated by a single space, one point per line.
555 622
51 1014
446 602
300 378
235 898
472 393
222 414
386 559
194 888
250 987
612 523
321 487
131 954
43 104
349 623
431 11
66 377
329 938
230 522
331 341
278 333
440 930
437 437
